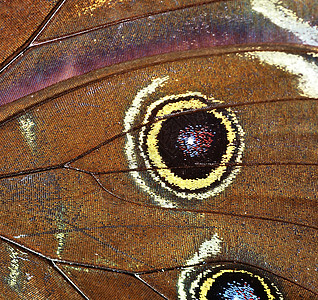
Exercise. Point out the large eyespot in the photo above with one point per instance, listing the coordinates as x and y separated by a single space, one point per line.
189 144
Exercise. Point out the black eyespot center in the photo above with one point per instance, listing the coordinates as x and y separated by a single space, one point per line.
189 143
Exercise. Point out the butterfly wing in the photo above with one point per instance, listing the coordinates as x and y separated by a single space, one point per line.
82 201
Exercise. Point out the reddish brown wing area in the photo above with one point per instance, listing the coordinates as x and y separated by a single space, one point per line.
19 22
75 224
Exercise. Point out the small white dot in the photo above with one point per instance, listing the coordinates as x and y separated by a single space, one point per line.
190 140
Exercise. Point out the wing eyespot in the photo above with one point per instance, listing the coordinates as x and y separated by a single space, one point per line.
190 149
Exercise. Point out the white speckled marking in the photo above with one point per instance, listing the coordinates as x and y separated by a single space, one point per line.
207 249
287 19
130 116
27 127
295 64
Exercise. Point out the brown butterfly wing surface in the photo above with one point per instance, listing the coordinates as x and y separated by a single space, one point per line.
159 150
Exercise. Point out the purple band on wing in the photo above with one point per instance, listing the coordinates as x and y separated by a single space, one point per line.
210 25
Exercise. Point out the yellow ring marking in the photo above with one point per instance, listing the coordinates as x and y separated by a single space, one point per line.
164 171
209 281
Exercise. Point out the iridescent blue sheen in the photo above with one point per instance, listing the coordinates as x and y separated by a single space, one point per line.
237 291
195 140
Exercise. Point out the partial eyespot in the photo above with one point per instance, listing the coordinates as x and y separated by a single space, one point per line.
229 282
223 281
